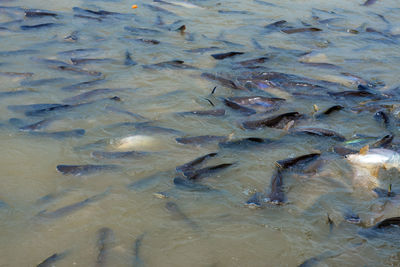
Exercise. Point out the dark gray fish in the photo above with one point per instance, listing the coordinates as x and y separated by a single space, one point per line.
102 13
83 85
76 70
37 13
319 132
79 170
42 81
212 112
395 221
343 151
300 30
255 103
105 238
223 81
384 142
17 74
187 185
80 52
369 2
60 134
52 259
245 142
202 50
252 62
321 65
191 164
38 125
276 25
200 140
382 116
128 60
147 41
83 61
329 111
134 115
145 127
15 93
173 64
137 261
73 207
264 3
90 94
87 17
147 182
235 12
159 9
32 107
330 223
178 214
18 52
38 26
276 196
118 155
226 55
297 162
206 172
346 94
243 110
140 31
277 121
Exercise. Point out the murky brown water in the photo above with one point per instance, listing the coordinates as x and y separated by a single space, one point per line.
218 230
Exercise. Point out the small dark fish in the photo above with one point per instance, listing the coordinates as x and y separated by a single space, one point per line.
212 112
369 2
128 60
83 85
83 61
134 115
18 52
278 121
205 172
223 81
52 259
80 52
251 62
384 142
104 241
245 142
145 127
38 26
15 93
343 151
202 50
118 155
199 140
276 196
78 170
330 110
178 214
345 94
276 25
159 9
395 221
148 41
299 30
88 95
293 162
137 261
234 12
243 110
32 107
77 70
264 3
191 164
97 13
320 132
17 74
188 185
147 182
226 55
181 29
256 200
173 64
37 13
61 134
87 17
140 31
73 207
321 65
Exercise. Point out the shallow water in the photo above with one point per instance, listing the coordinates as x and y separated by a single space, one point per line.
226 232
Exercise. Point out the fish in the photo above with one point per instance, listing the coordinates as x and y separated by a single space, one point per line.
38 26
73 207
147 182
277 121
102 13
276 195
18 52
226 55
302 160
235 12
128 60
386 223
205 172
140 31
80 52
242 109
223 81
37 13
346 94
343 151
83 61
376 158
48 262
187 185
76 70
202 49
300 30
173 64
89 94
212 112
87 17
15 93
200 140
245 142
319 132
42 82
32 107
384 142
330 111
369 2
382 116
105 238
191 164
118 155
126 112
60 134
137 261
178 214
79 170
83 85
252 62
257 103
274 26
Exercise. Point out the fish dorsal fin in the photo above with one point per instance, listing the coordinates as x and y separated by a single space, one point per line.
375 172
364 150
